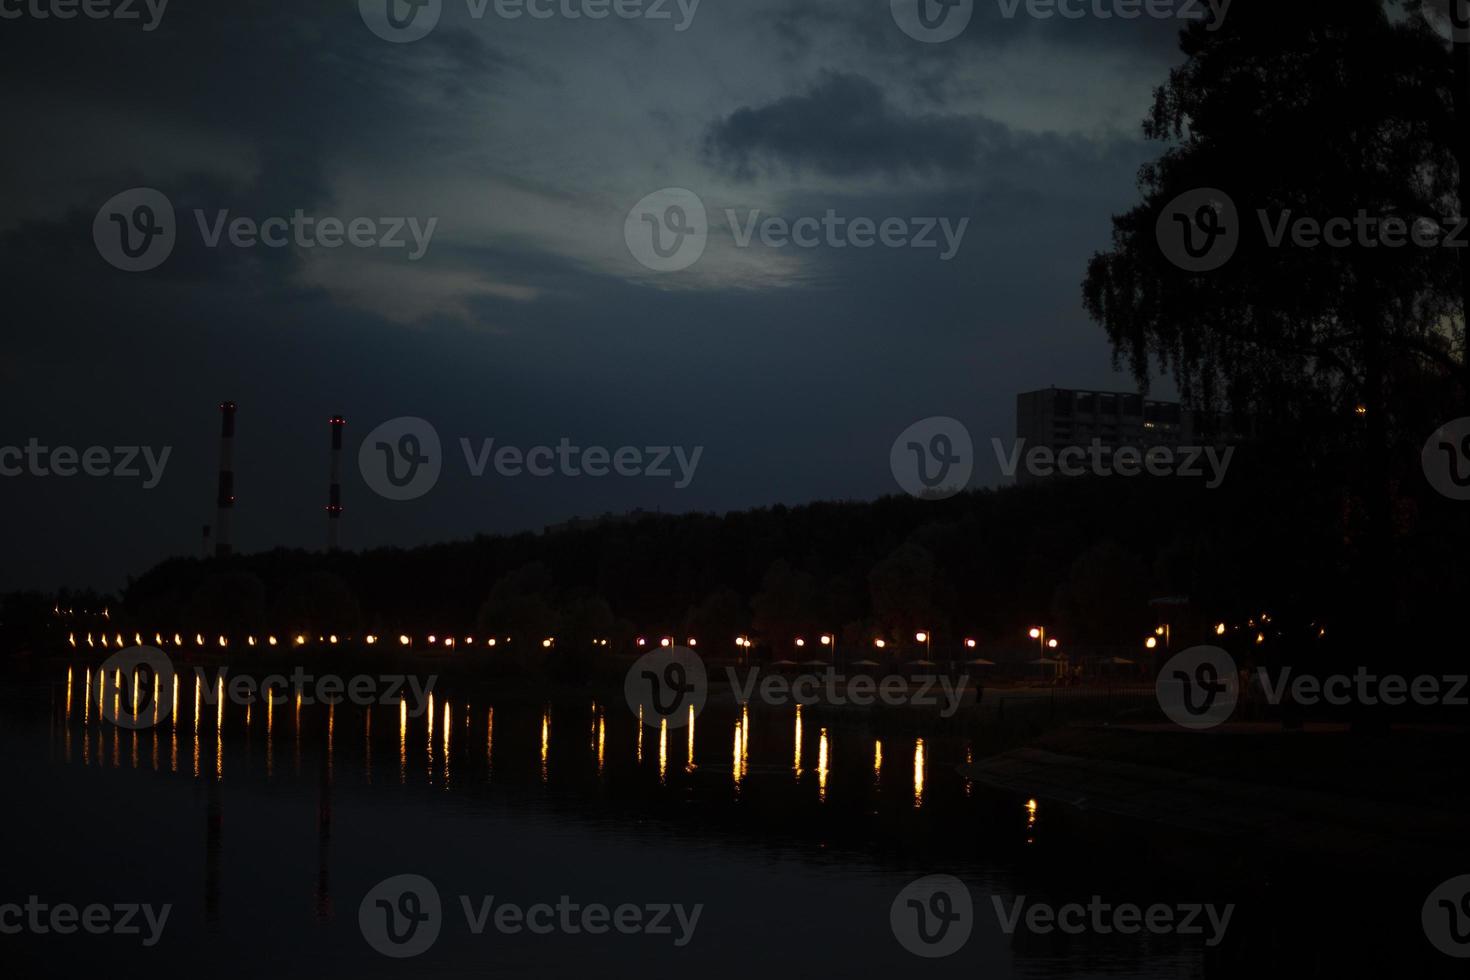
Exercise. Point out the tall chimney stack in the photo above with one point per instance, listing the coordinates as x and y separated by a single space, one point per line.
225 503
334 488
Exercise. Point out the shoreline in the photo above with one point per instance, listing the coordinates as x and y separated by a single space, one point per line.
1232 812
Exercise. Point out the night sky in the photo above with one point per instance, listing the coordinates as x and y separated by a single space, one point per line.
528 320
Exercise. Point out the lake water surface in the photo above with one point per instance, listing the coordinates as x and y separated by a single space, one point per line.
266 827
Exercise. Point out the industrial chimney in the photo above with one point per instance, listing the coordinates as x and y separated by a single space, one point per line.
226 500
334 487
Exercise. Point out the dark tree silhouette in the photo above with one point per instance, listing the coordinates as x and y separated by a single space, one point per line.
1104 598
1323 112
783 607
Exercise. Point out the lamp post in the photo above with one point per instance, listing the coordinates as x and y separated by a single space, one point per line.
925 638
830 640
1038 633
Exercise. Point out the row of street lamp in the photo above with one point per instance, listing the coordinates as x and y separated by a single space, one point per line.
829 640
449 642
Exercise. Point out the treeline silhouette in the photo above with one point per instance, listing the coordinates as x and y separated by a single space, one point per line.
1082 557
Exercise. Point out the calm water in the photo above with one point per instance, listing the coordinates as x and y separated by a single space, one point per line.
266 827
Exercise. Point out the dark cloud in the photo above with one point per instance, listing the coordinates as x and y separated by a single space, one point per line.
843 126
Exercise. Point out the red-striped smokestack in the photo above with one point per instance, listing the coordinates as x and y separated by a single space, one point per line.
334 488
225 503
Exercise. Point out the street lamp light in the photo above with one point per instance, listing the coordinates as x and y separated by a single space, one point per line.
923 637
